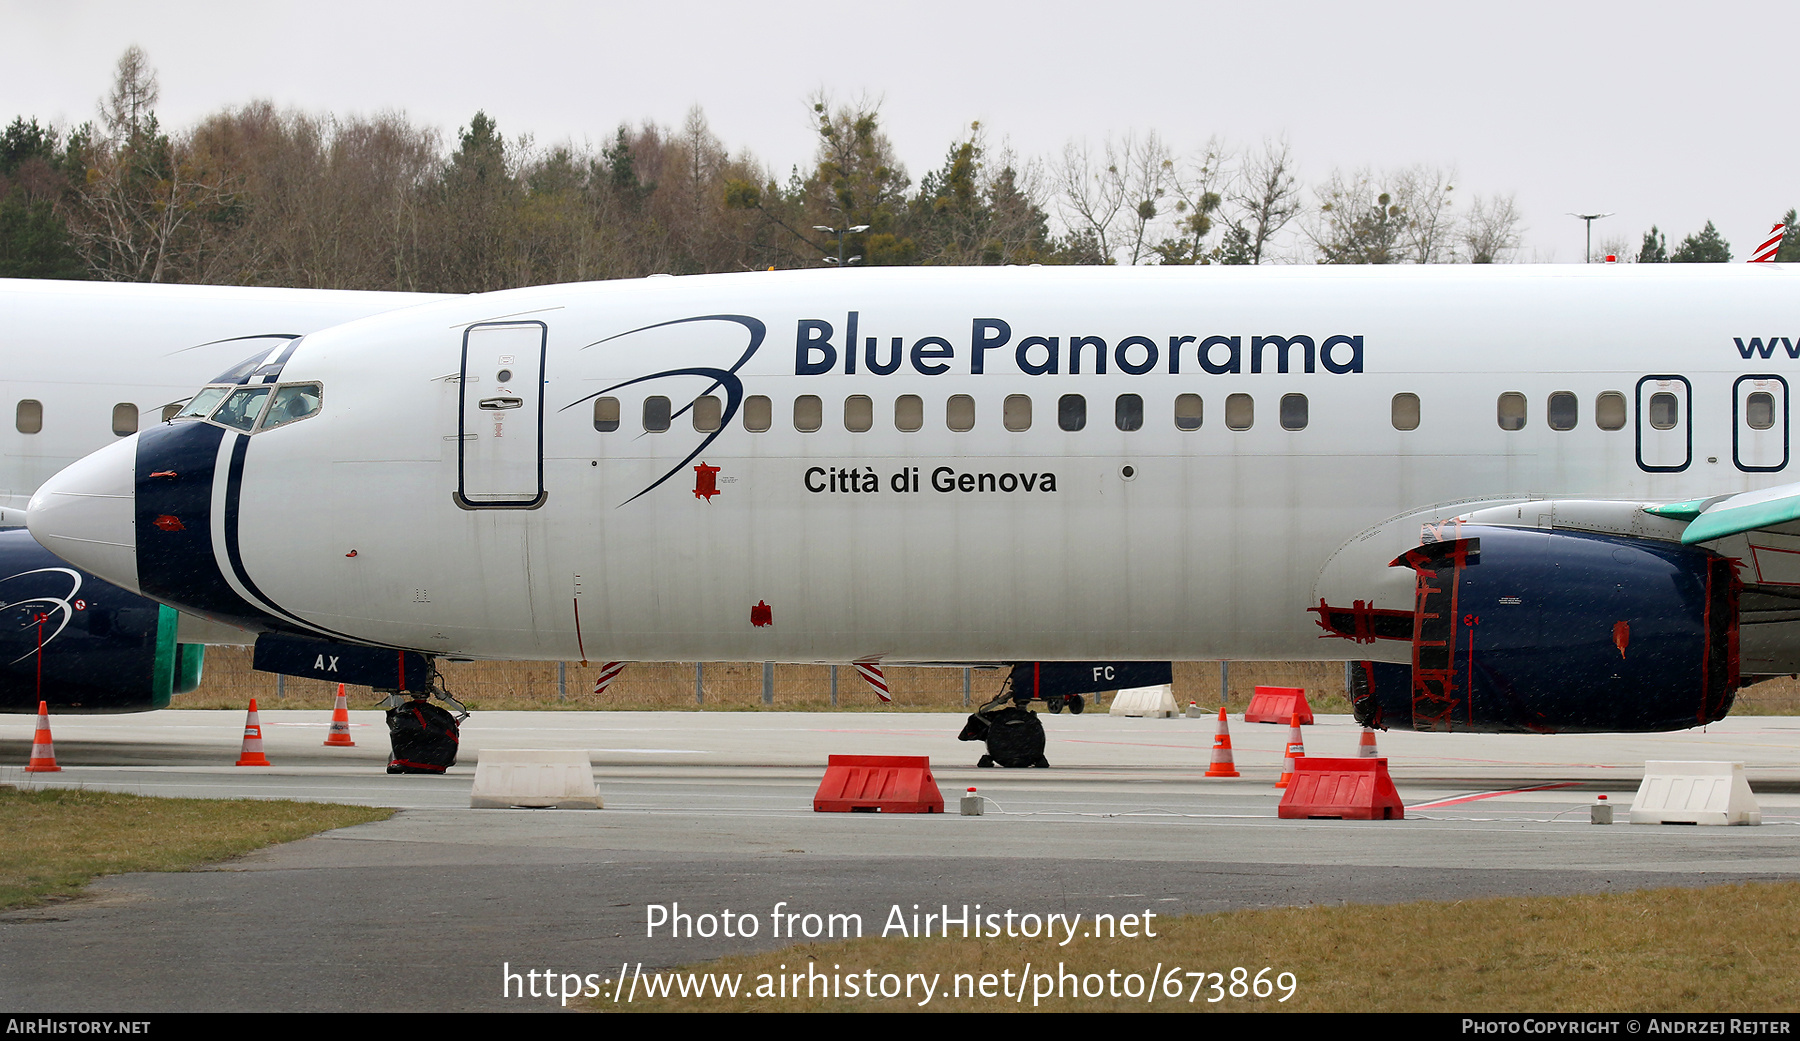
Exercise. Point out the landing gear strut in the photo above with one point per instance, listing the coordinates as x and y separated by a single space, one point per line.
1012 732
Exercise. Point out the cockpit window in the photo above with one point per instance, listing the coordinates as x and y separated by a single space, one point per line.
292 402
241 409
287 403
203 403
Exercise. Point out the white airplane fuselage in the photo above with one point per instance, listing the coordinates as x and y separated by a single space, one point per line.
430 504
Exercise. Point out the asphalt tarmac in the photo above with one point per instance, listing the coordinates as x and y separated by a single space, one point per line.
712 812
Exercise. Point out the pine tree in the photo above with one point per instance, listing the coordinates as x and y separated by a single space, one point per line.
1705 247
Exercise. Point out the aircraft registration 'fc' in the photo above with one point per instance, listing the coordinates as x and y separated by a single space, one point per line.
1508 522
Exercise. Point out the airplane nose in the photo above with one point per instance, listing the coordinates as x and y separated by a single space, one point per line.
86 514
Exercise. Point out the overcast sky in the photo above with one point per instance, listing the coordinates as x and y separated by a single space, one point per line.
1666 113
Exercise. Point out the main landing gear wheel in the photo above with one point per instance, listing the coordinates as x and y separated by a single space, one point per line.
1055 705
1077 704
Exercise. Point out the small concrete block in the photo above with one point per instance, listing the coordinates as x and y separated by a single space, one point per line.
1694 793
1194 711
506 778
1157 702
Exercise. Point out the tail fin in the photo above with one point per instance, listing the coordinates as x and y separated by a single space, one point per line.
1766 252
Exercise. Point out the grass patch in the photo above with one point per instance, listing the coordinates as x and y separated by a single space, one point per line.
1722 949
60 839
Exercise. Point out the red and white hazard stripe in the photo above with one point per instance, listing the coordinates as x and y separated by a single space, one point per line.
871 674
1766 252
608 672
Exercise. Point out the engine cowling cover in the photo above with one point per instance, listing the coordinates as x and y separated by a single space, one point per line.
1517 629
82 644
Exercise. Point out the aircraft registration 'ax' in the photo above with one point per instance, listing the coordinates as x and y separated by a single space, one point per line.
86 362
1527 498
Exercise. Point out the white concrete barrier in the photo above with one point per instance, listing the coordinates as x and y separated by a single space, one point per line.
520 777
1156 702
1694 793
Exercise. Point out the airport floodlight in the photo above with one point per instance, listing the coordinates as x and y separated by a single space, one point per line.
1589 218
841 260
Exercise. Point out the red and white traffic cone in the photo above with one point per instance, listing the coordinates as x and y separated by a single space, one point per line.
1365 747
339 737
43 756
1222 764
1296 749
252 754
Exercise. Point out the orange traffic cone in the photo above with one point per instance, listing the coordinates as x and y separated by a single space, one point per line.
340 723
1222 765
43 757
252 755
1365 747
1295 750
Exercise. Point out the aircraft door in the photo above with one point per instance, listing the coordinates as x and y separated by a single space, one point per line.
501 454
1665 440
1759 423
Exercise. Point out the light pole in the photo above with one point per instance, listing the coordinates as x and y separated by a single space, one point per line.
840 260
1590 218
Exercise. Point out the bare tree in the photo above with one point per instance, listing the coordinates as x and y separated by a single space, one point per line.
143 197
1357 222
1149 175
1492 231
1196 187
1090 193
1261 200
1424 194
134 94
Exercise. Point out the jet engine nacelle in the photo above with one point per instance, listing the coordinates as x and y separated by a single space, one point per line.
1516 629
82 644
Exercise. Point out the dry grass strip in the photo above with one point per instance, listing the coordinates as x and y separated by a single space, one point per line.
60 839
1721 949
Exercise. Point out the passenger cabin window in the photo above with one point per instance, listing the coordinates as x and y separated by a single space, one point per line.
1189 411
859 413
606 415
1609 411
1016 413
1665 410
759 414
1759 410
707 410
1128 412
125 419
1564 411
1071 412
959 413
809 413
1240 412
1511 411
909 413
1405 411
1293 412
657 413
30 416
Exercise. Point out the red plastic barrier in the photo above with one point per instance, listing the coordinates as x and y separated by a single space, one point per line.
878 784
1279 705
1350 789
